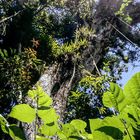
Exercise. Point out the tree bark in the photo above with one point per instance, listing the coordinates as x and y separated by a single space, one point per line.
59 78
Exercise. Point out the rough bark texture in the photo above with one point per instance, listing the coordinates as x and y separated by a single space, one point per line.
29 130
65 75
59 78
57 81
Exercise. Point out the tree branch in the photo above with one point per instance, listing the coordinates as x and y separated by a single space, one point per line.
94 63
125 23
72 77
8 18
122 34
40 9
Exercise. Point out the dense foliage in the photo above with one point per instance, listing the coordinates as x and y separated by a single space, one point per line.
123 124
80 46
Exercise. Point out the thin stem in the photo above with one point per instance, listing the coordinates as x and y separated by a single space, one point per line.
8 18
40 9
72 77
125 23
126 128
36 118
122 34
94 63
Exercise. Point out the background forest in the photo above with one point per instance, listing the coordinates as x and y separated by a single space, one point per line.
59 62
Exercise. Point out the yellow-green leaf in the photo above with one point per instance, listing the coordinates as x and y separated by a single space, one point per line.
23 113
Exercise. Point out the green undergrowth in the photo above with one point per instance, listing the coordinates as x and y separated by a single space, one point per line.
123 125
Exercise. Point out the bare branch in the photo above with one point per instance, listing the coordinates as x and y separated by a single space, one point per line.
40 9
72 77
94 63
125 23
122 34
8 18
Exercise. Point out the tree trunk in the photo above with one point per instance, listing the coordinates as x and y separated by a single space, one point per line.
59 78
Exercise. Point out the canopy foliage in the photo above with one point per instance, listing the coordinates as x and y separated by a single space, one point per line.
82 38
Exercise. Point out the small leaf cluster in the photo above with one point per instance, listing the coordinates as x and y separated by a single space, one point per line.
88 92
17 74
122 11
67 48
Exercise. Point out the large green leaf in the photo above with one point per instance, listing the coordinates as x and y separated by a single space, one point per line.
95 124
114 98
44 100
61 135
39 95
67 131
16 133
118 94
131 119
23 112
98 135
49 129
110 126
4 124
78 124
132 90
109 100
132 112
48 115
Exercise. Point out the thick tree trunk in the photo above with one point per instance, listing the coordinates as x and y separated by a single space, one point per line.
59 78
57 82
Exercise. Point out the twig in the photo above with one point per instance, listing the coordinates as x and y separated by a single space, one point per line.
94 63
123 121
125 23
72 77
5 19
36 118
122 34
40 9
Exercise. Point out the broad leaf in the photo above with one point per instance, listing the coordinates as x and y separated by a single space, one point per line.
44 100
132 90
95 124
113 132
61 135
4 124
90 136
132 112
49 129
110 126
114 98
38 94
131 118
97 135
118 94
109 100
78 124
23 113
16 133
48 116
68 130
